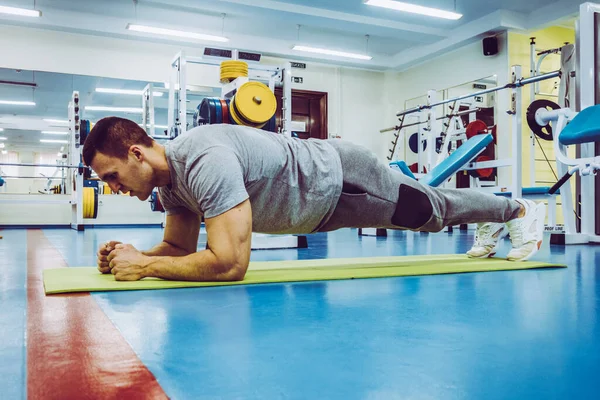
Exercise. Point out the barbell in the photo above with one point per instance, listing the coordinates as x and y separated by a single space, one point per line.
44 165
253 105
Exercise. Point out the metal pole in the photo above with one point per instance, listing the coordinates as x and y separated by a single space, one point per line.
532 72
44 178
517 178
150 104
40 165
182 90
458 114
539 78
518 83
434 130
287 100
587 76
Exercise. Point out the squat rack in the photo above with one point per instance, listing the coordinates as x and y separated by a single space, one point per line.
517 82
177 121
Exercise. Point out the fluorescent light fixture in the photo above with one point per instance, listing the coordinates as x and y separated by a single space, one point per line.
331 52
57 121
55 133
156 126
17 103
53 141
412 8
4 152
1 129
20 11
115 109
2 138
126 91
170 32
1 145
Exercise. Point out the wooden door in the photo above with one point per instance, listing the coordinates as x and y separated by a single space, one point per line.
309 112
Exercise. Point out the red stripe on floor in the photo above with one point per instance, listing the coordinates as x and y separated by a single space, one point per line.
73 349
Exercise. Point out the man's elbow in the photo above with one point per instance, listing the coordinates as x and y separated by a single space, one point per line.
235 272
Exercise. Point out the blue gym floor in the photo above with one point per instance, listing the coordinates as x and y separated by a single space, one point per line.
532 334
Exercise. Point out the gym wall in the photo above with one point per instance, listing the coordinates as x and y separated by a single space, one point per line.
519 53
463 65
355 110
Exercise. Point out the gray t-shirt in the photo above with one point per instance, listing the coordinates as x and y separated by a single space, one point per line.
293 184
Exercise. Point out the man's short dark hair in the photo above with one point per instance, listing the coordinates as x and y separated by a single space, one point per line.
113 136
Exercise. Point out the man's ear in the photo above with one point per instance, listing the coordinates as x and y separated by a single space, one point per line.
137 152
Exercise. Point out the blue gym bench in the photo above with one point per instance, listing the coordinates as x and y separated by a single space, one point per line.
451 165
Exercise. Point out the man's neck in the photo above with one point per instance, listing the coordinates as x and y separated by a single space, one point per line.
162 172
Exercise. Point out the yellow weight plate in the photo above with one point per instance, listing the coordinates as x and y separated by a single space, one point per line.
240 121
86 202
234 67
90 200
91 203
235 117
234 63
255 102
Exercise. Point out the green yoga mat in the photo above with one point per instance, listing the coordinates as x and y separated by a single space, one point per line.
88 279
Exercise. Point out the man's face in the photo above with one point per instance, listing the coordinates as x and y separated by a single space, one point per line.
130 175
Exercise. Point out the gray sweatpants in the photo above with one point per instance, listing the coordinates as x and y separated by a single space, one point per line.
377 196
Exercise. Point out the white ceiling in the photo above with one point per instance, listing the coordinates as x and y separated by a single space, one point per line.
397 40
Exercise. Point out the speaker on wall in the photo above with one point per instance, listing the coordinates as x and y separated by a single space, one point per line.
490 46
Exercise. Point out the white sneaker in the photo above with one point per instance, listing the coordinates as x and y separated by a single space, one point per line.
527 233
487 239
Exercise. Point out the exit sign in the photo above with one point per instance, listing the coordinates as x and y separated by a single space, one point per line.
298 79
298 65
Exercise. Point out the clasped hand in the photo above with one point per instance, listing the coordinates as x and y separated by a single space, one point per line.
124 261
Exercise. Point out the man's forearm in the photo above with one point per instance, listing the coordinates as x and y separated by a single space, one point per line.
200 266
166 249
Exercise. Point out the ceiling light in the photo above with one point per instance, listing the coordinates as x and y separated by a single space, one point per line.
2 138
17 103
332 52
170 32
115 109
57 121
126 91
55 133
4 152
156 126
20 11
1 129
1 145
412 8
53 141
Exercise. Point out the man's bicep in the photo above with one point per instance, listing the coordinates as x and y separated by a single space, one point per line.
229 236
182 230
217 181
